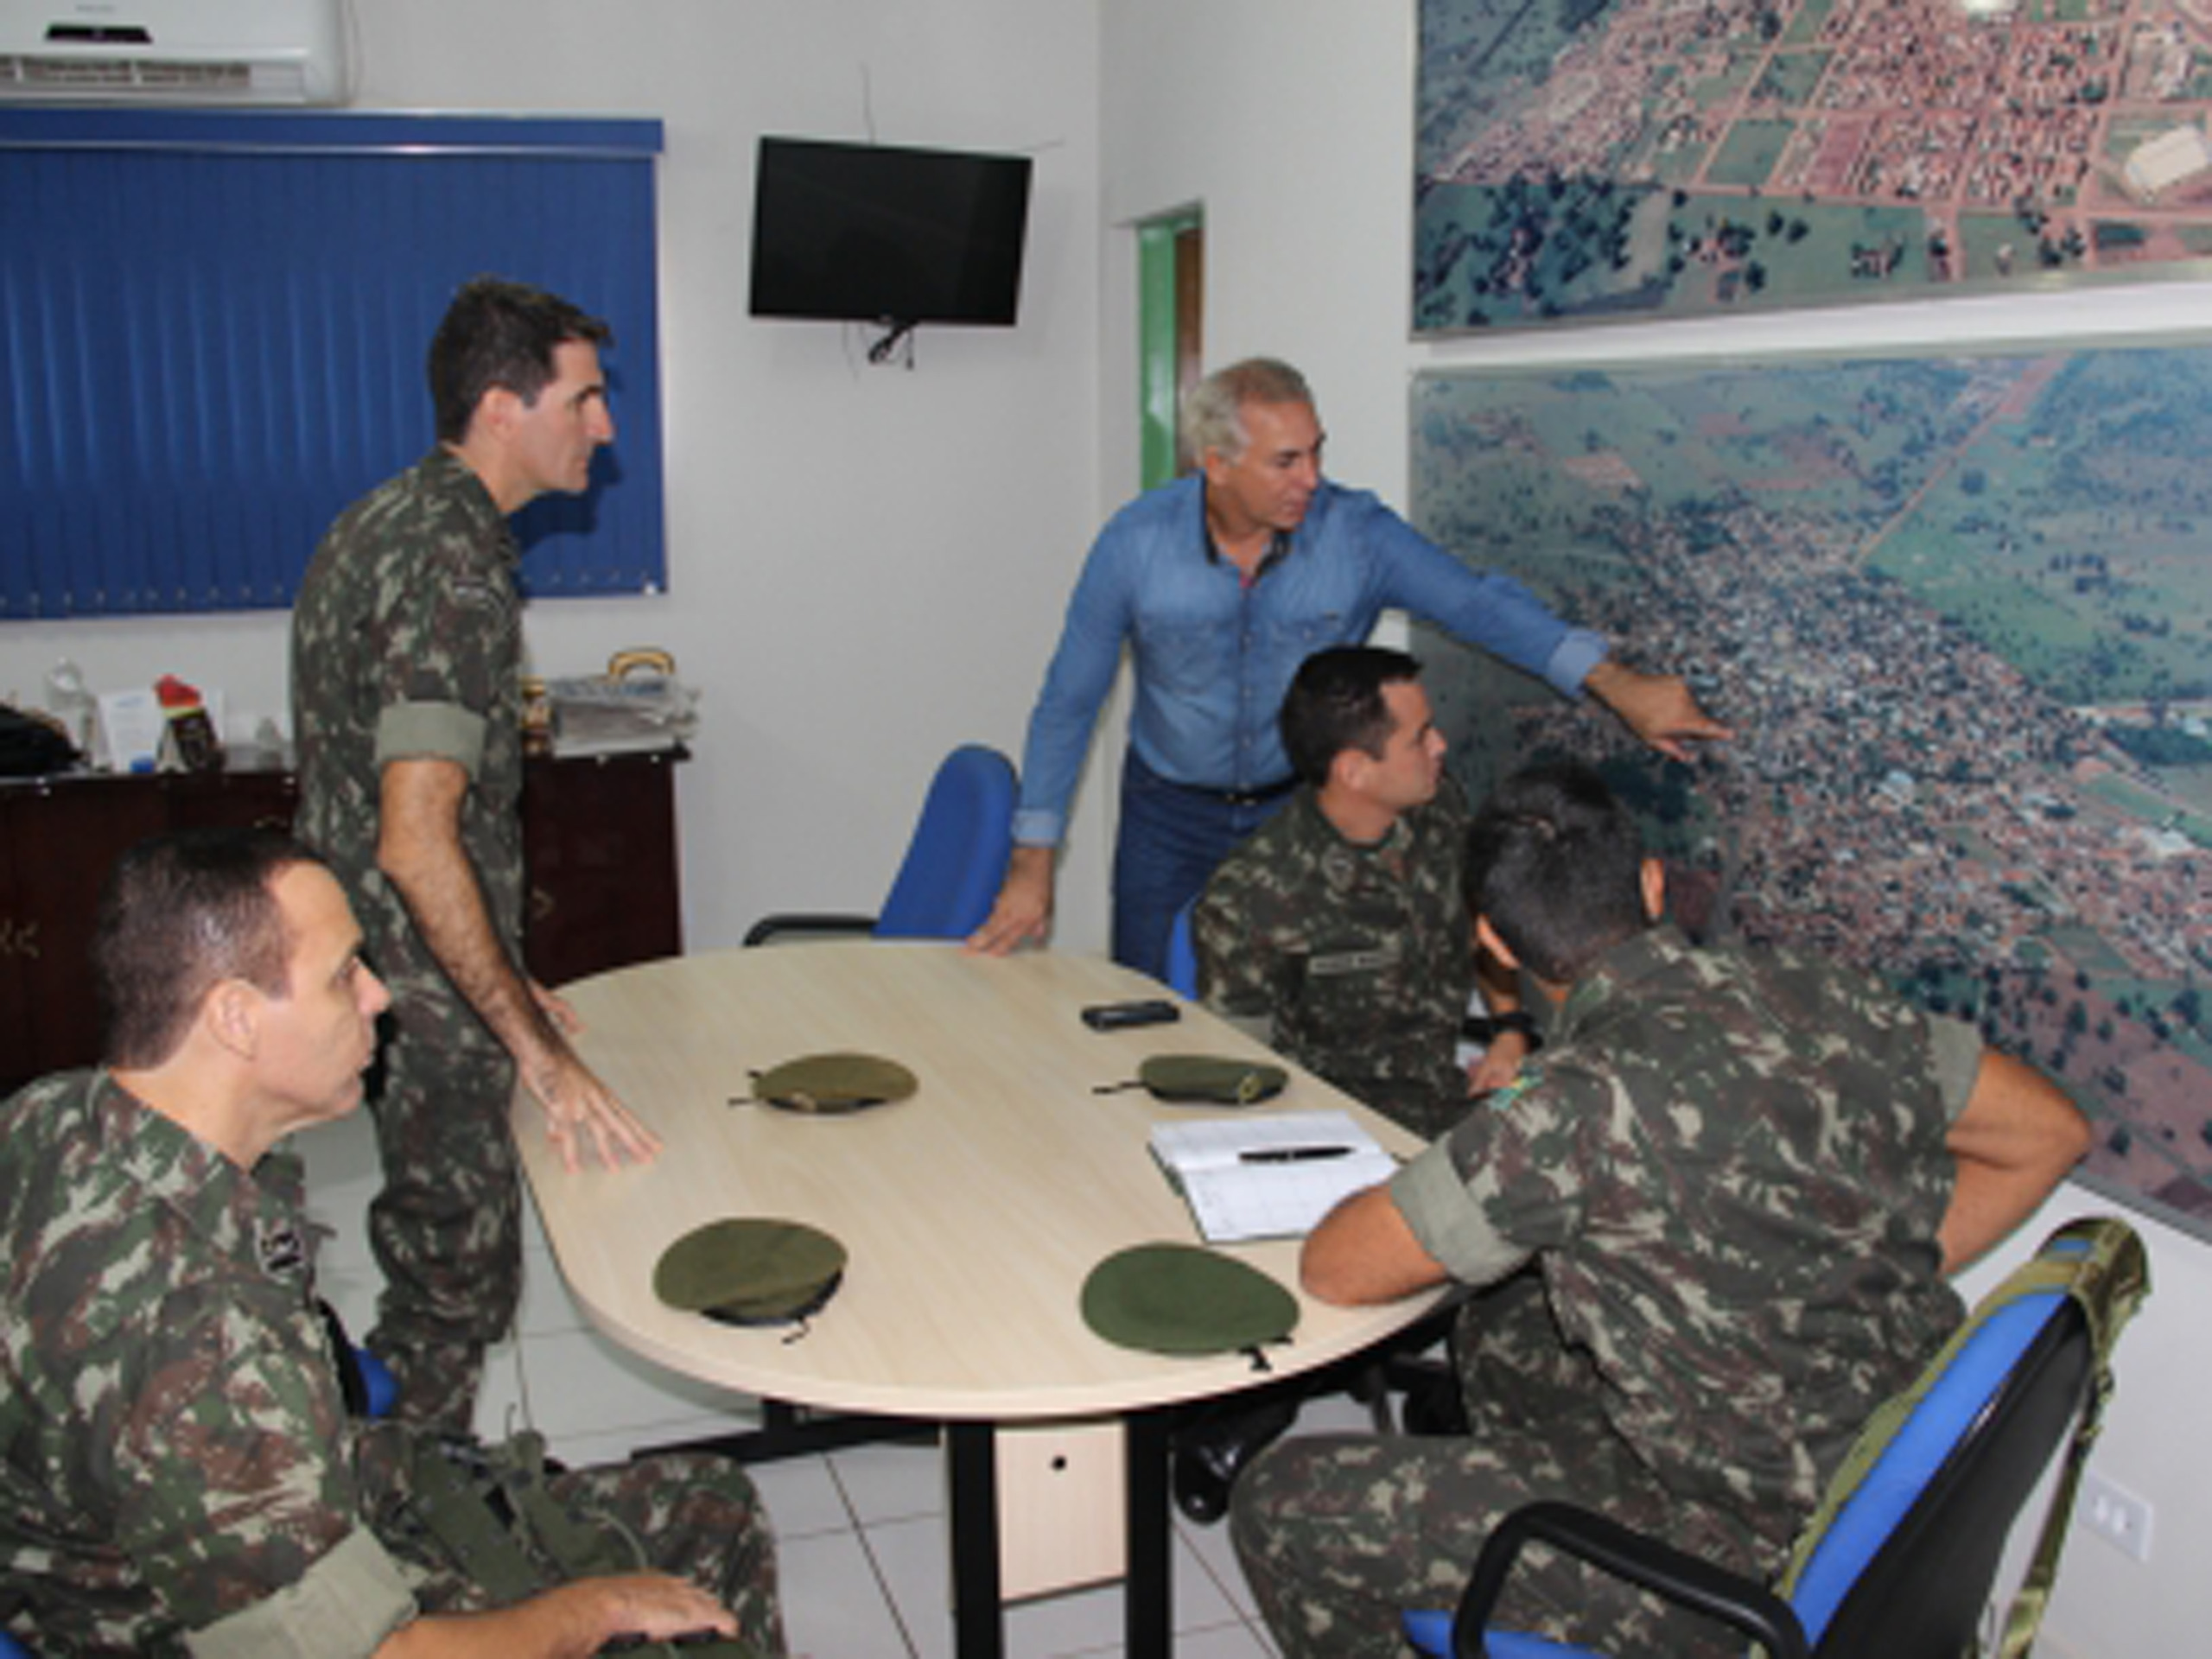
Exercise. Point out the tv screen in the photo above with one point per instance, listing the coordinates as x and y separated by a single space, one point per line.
872 233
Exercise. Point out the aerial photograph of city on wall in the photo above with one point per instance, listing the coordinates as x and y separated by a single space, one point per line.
1585 159
1959 610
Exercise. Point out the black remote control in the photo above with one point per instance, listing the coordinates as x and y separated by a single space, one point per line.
1115 1016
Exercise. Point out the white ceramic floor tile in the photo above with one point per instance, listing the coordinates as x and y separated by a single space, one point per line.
500 1397
917 1568
891 1481
1227 1642
577 1382
802 1497
1211 1546
547 1309
833 1607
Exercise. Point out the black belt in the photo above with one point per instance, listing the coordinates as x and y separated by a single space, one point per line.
1263 793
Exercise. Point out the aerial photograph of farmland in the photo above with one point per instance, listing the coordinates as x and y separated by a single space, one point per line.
1579 160
1958 610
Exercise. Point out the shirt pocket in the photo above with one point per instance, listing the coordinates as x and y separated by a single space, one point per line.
1186 655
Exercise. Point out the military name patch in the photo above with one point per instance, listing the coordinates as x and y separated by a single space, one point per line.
1372 960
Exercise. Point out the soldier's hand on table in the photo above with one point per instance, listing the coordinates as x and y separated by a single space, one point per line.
555 1008
1658 708
581 1110
1023 913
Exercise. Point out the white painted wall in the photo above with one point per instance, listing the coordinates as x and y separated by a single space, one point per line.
868 566
1291 125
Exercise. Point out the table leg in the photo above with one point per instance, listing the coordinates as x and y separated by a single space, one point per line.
1149 1592
978 1627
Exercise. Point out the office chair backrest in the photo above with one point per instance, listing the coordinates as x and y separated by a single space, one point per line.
957 856
1905 1570
1917 1518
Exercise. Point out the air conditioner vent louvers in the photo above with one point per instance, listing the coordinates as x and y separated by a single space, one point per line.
210 52
147 74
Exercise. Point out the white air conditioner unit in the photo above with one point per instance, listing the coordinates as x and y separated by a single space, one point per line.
174 51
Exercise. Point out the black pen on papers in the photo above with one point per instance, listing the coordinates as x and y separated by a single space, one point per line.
1292 1155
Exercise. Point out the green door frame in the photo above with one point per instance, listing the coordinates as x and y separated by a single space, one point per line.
1156 338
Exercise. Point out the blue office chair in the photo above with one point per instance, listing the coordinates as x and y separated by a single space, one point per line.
1900 1561
954 863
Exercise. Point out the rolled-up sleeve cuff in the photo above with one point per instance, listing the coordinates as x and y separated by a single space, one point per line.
1578 651
1037 826
1448 1224
430 731
1955 1049
344 1605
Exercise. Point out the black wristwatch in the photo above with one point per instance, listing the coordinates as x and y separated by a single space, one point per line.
1482 1028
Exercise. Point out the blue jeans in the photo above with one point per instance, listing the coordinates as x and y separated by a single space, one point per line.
1170 839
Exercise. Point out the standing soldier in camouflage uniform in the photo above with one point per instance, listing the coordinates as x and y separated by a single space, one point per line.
1718 1211
406 701
180 1469
1338 934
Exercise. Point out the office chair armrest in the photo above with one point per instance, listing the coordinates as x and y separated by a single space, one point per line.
1645 1561
801 922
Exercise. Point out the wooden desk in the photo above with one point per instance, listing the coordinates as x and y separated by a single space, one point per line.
599 839
972 1213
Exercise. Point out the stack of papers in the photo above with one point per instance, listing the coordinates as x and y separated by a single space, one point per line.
1267 1177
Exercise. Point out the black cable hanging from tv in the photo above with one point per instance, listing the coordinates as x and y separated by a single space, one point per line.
894 332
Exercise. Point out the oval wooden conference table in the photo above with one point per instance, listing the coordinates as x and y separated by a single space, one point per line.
972 1213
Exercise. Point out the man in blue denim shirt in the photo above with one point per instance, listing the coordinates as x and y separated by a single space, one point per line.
1222 583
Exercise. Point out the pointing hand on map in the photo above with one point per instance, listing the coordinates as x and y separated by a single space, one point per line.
1658 708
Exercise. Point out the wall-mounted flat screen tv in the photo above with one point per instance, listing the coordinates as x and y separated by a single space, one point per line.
874 233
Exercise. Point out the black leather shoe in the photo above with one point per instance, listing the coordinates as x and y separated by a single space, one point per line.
1212 1450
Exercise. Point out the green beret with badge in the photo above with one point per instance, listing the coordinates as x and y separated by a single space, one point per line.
826 1083
1204 1079
751 1270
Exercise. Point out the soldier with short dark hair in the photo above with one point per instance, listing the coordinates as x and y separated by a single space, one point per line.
1338 934
1712 1220
407 708
180 1472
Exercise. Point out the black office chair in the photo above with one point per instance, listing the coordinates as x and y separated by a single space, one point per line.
1899 1561
954 862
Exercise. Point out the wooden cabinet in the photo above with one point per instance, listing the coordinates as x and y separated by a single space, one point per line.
599 838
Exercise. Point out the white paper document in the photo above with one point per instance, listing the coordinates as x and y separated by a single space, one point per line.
1267 1177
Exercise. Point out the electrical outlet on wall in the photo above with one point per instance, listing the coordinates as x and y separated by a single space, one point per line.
2115 1514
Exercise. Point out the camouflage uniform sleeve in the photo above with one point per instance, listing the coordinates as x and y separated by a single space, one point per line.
1238 973
343 1607
1508 1181
1954 1057
446 643
230 1485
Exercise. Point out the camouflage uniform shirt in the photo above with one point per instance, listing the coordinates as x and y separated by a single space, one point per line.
1730 1171
407 645
168 1409
1357 960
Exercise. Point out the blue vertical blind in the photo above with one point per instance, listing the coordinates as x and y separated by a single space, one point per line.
213 330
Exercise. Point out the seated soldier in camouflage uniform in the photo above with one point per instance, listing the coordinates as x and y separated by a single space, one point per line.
180 1469
1338 934
1717 1210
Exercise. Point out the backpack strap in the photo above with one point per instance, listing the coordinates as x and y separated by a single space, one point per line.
2113 1279
2098 1262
